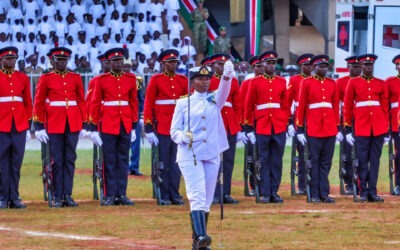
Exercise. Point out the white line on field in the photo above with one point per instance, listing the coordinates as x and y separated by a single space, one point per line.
392 242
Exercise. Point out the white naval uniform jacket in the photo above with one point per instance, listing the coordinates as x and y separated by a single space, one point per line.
206 124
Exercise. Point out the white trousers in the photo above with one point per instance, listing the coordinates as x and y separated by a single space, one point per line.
200 181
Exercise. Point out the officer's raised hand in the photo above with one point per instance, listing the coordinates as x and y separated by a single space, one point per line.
42 136
152 138
95 137
228 69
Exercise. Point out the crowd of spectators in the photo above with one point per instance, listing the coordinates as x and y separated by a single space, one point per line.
91 27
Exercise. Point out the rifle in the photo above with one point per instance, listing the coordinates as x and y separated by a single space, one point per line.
294 166
342 166
99 173
247 170
391 161
355 173
256 173
47 177
308 165
156 169
94 177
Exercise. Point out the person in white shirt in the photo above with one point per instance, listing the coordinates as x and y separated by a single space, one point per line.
145 47
45 27
30 9
16 27
109 7
30 45
141 63
79 10
126 25
156 43
82 46
174 28
101 28
73 47
156 9
171 8
114 24
175 44
42 48
96 10
62 7
73 27
19 43
105 44
30 27
4 42
93 54
14 13
50 11
140 29
89 27
198 129
141 7
188 49
131 46
153 26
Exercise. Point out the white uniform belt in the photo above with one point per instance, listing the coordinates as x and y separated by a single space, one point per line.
116 103
228 104
367 103
166 102
62 103
269 105
11 99
296 104
320 105
394 105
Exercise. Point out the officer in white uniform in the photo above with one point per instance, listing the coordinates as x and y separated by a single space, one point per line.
200 145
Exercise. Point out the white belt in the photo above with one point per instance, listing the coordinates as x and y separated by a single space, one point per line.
166 102
296 104
320 105
268 106
116 103
11 99
394 105
367 103
62 103
228 104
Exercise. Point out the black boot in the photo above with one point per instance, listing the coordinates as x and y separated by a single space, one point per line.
200 238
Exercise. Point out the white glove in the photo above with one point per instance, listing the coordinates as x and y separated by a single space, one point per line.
95 137
187 137
141 123
228 69
28 135
302 139
339 137
291 131
251 137
386 139
83 133
42 136
240 136
350 140
152 138
133 135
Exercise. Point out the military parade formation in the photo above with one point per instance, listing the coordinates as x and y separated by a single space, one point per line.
194 122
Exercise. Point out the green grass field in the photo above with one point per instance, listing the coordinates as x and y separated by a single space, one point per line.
292 225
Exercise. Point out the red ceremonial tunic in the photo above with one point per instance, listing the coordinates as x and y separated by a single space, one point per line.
294 90
367 102
318 107
268 100
54 93
393 89
15 101
161 95
244 87
232 108
114 101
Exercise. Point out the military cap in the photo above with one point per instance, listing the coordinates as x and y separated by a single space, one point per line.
304 58
9 52
115 53
352 60
127 61
320 59
101 57
396 59
221 28
200 71
168 55
205 61
219 57
59 52
253 60
81 32
367 58
268 56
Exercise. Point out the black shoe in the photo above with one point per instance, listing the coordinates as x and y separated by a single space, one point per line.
17 204
3 204
229 200
178 202
375 198
123 200
108 201
264 199
276 199
56 202
328 199
215 201
397 191
136 172
349 192
301 191
362 199
315 200
69 202
165 202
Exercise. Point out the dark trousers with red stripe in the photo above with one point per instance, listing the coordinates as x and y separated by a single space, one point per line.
12 149
368 153
63 155
270 151
116 161
321 151
171 174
